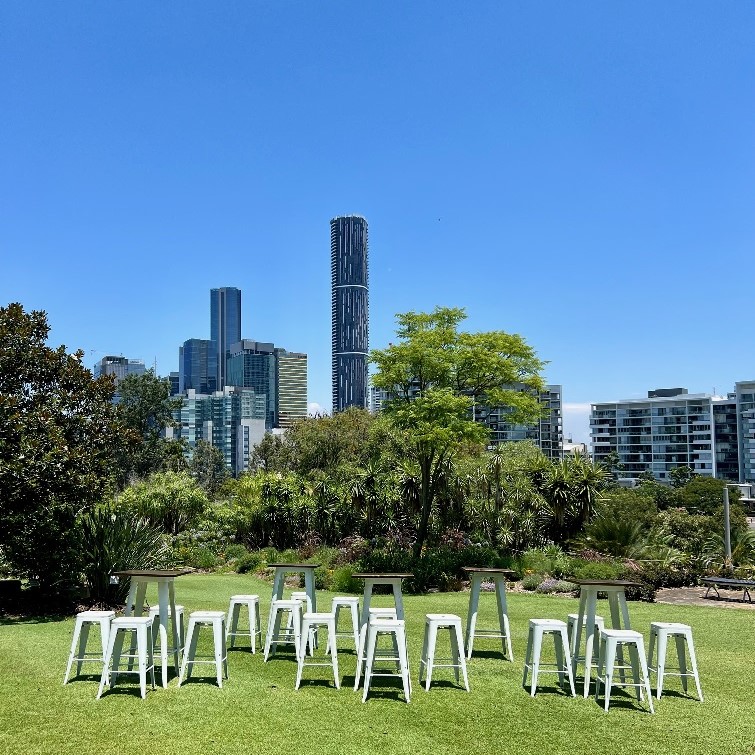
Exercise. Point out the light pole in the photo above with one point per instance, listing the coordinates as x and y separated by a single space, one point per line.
727 527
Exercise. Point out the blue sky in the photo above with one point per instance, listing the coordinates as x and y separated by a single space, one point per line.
579 173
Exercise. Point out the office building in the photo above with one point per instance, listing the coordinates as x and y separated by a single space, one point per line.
251 364
291 386
744 393
225 326
349 311
232 420
120 367
547 433
198 366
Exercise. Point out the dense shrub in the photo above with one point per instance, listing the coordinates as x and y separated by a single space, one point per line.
342 581
551 585
198 557
596 570
234 552
532 581
248 563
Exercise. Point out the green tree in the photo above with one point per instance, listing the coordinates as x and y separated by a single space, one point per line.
145 408
680 476
208 468
437 377
58 434
705 495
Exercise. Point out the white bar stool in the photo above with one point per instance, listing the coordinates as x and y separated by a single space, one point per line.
310 623
532 663
197 620
611 641
232 631
352 603
290 634
373 615
141 626
476 578
154 612
681 633
84 620
434 622
576 642
395 628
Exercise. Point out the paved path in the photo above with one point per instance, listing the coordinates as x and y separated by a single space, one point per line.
693 596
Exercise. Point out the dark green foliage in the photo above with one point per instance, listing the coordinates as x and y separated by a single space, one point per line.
207 467
705 495
531 582
58 435
249 562
342 581
235 551
596 570
112 539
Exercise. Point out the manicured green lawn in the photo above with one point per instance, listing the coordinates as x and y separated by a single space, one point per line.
258 710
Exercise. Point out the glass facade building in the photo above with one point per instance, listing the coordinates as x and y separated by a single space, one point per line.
745 398
251 364
198 366
225 326
291 384
349 311
119 366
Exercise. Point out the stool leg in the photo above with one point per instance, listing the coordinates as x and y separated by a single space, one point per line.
116 657
599 666
141 651
355 622
331 625
300 653
219 642
635 663
233 624
270 630
651 646
360 654
431 641
371 639
566 660
459 651
188 659
537 646
72 654
681 657
693 663
105 678
474 602
423 656
401 642
609 660
256 632
661 665
645 675
151 653
83 640
454 651
527 656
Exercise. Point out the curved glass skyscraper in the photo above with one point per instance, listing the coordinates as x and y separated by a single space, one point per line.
350 311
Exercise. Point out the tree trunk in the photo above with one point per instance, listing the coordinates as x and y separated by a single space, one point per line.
426 502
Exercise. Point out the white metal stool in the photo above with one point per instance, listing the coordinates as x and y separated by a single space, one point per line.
575 642
84 620
291 634
141 626
611 641
310 622
374 614
352 603
682 633
232 631
434 622
532 662
154 612
219 658
395 628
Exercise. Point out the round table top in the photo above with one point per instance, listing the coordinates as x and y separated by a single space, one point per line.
386 575
605 583
152 573
293 566
487 570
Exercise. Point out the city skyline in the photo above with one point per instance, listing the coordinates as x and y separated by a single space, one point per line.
577 174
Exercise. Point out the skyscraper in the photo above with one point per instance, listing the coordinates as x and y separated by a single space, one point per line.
251 364
198 366
349 311
225 325
291 369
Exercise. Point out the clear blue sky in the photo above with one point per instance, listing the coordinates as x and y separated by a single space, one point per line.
580 173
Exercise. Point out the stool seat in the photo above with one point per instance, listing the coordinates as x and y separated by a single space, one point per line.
611 642
532 659
660 632
81 635
219 658
428 661
397 629
142 653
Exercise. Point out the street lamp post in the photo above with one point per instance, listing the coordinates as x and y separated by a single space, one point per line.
727 527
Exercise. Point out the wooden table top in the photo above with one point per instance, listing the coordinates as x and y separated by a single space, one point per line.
488 570
152 573
605 583
378 575
293 566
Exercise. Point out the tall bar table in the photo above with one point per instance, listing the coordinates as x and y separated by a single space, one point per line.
498 576
588 599
165 578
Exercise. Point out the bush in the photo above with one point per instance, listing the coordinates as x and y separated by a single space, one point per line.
532 581
555 586
198 557
341 580
596 570
235 551
248 563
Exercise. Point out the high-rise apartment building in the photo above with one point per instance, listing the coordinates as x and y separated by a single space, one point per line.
291 381
198 366
119 366
225 326
251 364
744 393
349 311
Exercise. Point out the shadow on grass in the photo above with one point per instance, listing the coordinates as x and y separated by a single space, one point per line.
11 620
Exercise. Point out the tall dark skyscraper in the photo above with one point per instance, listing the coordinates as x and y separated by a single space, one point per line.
350 311
225 326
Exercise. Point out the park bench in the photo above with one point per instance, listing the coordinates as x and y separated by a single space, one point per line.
729 583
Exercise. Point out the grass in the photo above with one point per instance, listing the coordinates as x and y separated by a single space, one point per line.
259 711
